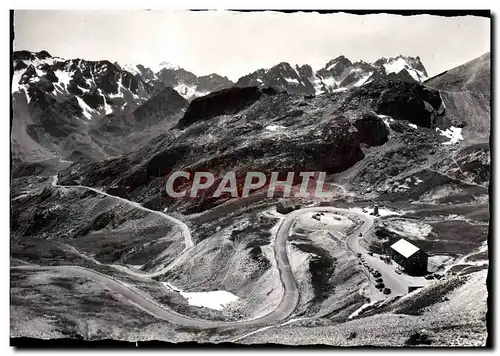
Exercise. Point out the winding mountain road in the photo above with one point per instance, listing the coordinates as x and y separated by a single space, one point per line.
290 297
186 233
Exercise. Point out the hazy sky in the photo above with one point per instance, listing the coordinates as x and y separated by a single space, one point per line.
235 44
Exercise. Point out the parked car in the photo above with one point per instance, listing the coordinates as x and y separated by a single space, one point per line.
387 291
360 234
379 285
358 254
398 271
379 280
437 276
377 274
429 276
381 257
370 253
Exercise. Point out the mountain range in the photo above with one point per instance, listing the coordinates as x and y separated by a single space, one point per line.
102 87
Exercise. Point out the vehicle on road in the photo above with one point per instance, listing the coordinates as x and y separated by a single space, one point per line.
387 291
398 271
360 234
370 253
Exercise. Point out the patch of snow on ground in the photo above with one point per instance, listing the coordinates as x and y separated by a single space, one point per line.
330 82
402 187
15 80
188 91
332 66
107 107
339 90
39 72
360 309
164 65
411 229
217 300
274 127
413 126
453 133
414 74
442 107
83 89
363 79
381 211
130 68
386 119
395 66
119 93
318 85
87 110
64 77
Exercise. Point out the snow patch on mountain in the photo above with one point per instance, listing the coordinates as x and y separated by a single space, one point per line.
396 65
453 133
131 68
15 81
88 112
216 300
189 91
332 66
164 65
292 81
363 80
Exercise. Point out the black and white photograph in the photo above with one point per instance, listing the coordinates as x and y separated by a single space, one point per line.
250 178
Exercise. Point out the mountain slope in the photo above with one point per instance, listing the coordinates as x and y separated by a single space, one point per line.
466 91
81 109
248 129
184 82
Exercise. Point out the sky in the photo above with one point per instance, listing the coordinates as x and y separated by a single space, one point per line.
234 44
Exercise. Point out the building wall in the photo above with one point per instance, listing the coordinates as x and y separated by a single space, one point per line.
416 264
398 258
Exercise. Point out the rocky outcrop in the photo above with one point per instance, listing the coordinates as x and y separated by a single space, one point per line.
225 102
371 129
165 103
410 101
